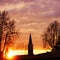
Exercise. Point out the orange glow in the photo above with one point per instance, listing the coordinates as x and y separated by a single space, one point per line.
41 51
12 53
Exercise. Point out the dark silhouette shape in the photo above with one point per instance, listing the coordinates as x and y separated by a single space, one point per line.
51 34
7 32
30 46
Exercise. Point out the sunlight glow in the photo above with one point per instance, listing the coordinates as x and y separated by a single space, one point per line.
40 51
12 53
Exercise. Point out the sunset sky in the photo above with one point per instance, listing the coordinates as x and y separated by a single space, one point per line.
31 16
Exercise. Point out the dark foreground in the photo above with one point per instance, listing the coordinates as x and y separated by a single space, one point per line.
45 56
35 57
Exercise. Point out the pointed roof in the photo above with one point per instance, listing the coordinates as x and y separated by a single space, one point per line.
30 39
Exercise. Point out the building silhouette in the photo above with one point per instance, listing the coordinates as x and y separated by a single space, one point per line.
30 46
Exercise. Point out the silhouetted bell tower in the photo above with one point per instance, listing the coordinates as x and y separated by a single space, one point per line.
30 46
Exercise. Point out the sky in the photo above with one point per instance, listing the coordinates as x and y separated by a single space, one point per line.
31 16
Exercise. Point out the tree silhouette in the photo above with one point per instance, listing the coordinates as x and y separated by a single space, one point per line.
51 34
7 31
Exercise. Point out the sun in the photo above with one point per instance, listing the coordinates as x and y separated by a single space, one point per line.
10 54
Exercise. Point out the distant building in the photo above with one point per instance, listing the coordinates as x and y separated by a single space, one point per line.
30 46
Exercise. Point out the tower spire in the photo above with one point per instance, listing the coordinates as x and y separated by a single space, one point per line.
30 39
30 46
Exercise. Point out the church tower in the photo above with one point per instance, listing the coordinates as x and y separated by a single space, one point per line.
30 46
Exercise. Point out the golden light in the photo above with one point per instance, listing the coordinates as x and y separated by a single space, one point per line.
41 51
10 54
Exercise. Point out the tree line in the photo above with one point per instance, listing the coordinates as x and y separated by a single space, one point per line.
7 31
52 34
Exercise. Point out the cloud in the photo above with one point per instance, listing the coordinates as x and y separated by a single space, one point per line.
29 12
37 8
12 6
28 0
15 1
17 6
9 1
